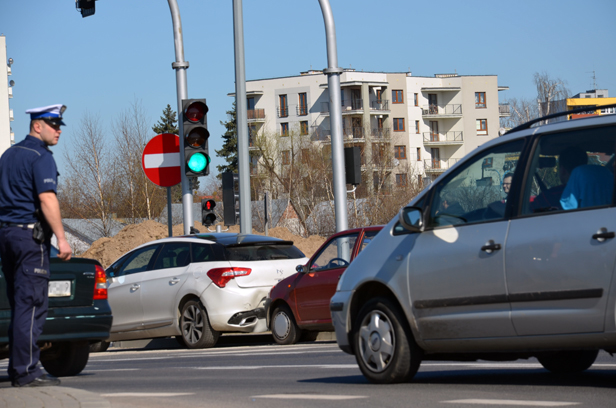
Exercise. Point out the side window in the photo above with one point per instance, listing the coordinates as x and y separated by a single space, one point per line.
571 171
203 253
478 190
336 254
173 255
367 239
138 261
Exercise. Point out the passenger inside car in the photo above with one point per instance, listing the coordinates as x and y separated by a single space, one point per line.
588 186
549 198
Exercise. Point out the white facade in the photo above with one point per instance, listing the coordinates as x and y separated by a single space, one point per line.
6 92
426 123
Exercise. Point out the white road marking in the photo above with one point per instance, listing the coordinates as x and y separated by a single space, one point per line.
519 403
259 367
112 369
310 396
147 394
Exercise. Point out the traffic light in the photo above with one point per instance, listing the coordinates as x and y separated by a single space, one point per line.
196 135
86 7
207 212
230 198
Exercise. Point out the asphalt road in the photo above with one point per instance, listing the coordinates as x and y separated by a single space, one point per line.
260 374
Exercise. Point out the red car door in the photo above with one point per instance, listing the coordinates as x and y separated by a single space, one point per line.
316 287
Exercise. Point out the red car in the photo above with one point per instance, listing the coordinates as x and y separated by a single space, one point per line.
299 304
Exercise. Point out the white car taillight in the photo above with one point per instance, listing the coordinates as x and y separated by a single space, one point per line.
220 276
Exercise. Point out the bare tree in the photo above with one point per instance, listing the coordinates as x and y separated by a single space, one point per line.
90 186
550 98
140 198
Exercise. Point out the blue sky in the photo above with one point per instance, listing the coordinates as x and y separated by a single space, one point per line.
103 63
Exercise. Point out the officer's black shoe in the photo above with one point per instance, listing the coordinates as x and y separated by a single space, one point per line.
42 381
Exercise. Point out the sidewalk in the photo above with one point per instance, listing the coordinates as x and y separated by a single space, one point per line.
48 397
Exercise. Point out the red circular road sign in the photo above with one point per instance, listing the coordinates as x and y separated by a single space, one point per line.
161 160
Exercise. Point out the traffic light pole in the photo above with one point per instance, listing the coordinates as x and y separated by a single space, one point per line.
180 67
335 116
242 120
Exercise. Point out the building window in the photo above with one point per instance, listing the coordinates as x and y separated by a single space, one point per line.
417 126
378 96
303 128
397 96
305 155
284 129
303 104
416 99
283 107
400 152
482 126
286 157
419 154
401 180
480 99
398 124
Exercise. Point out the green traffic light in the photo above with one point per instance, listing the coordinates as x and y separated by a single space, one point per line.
198 162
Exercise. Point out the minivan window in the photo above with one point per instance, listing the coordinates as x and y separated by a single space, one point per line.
478 190
571 170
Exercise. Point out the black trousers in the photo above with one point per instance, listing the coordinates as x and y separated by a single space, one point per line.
25 264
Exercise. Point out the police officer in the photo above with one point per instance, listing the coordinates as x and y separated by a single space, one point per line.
28 181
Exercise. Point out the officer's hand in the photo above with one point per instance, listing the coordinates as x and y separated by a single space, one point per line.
64 249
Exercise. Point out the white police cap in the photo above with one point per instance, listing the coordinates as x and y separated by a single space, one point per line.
51 113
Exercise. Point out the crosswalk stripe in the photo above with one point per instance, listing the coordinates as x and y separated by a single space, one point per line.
310 396
519 403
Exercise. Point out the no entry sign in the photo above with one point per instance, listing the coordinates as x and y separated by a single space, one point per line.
161 160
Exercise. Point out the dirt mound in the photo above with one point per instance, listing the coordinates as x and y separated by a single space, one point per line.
107 250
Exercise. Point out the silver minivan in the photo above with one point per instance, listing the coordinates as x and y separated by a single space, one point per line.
510 254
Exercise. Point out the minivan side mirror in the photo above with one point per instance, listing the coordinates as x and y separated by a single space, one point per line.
411 218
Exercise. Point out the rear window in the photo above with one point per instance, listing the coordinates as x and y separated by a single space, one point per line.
268 252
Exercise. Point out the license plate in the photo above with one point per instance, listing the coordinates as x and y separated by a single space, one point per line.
59 288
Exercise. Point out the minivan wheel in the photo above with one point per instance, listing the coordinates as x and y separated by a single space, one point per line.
195 326
384 348
568 362
284 328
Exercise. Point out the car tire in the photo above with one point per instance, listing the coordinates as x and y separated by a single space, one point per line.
195 326
384 347
99 346
284 328
66 359
568 362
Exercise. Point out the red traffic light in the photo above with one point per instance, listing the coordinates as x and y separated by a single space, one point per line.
195 111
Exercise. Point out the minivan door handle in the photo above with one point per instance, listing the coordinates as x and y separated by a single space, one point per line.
490 247
603 234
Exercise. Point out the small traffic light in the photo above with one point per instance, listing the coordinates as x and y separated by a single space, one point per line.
196 135
230 198
207 212
86 7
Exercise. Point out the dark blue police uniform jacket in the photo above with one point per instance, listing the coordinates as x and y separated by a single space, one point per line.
27 169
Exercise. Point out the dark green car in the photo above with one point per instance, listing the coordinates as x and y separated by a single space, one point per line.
79 314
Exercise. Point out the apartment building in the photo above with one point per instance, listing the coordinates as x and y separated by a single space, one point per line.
7 138
410 126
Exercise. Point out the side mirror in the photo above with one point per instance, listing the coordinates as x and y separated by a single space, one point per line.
300 269
411 219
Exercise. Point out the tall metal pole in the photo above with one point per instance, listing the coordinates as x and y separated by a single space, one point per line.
242 120
335 116
180 67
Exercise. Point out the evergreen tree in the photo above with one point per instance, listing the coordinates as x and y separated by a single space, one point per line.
229 146
167 123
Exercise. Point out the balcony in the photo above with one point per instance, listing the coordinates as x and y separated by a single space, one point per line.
301 110
351 133
447 111
382 134
438 166
256 115
503 110
282 111
352 107
379 105
443 139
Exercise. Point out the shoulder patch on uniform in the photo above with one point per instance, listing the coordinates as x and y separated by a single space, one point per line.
40 271
49 180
